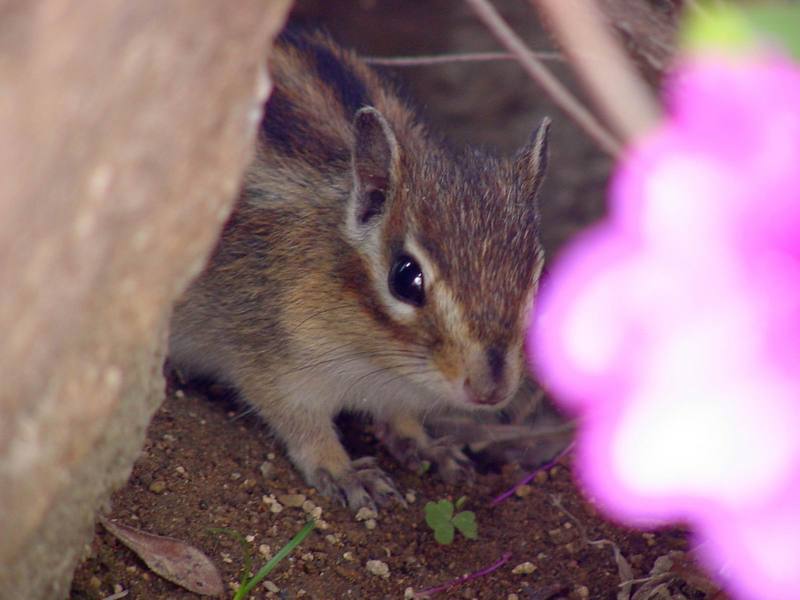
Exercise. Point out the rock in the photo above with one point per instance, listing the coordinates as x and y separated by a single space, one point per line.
523 490
365 513
124 130
379 568
525 568
158 487
292 500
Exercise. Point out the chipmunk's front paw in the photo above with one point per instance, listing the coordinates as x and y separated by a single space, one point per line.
363 484
443 454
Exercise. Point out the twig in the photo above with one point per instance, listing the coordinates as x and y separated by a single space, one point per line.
440 59
528 478
464 578
623 566
551 85
618 91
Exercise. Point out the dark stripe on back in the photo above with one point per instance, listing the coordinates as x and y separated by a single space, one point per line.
286 127
332 71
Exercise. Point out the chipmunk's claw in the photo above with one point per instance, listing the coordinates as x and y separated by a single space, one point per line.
443 454
363 485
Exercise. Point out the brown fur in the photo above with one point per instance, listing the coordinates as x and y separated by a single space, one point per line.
294 308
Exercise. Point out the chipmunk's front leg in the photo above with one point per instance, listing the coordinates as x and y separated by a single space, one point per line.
306 428
406 439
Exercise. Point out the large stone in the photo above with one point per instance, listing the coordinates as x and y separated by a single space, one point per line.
124 129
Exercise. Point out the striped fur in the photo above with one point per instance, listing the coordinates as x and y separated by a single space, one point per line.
294 307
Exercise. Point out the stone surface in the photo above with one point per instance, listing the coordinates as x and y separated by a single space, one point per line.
124 129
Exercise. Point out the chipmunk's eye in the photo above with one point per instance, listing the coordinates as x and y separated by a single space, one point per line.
406 281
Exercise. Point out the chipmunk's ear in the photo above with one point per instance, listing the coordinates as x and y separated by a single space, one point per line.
374 161
531 162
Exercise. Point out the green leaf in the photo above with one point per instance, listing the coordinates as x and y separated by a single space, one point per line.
444 533
740 29
779 23
465 523
460 502
437 513
718 27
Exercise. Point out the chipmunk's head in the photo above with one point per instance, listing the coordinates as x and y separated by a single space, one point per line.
453 254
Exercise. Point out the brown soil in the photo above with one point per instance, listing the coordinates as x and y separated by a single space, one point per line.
205 466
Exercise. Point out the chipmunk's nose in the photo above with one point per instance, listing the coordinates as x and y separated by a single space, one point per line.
477 396
485 381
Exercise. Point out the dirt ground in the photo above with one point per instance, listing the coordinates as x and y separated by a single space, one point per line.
206 466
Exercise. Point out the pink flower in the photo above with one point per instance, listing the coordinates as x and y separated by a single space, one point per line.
673 328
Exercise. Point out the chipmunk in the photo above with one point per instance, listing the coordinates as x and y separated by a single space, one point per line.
364 268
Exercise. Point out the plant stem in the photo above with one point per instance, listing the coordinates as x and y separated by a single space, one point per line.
244 590
464 578
539 73
439 59
617 89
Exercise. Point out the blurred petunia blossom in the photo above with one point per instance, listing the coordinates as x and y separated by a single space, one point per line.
672 329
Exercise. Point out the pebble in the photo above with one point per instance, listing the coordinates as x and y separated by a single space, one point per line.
179 394
411 497
265 551
157 487
409 594
266 469
370 524
378 568
271 456
271 587
95 582
523 491
582 591
365 513
308 506
332 539
512 596
250 538
525 568
321 524
180 471
348 556
292 500
276 507
540 477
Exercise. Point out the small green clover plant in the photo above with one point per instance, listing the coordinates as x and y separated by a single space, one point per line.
442 518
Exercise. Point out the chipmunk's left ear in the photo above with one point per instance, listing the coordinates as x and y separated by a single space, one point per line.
531 161
374 158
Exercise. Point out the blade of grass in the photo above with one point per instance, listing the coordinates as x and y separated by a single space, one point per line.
243 545
244 590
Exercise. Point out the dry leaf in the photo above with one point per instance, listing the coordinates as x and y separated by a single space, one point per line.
172 559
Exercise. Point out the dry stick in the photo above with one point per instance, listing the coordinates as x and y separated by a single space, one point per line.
440 59
464 578
551 85
622 97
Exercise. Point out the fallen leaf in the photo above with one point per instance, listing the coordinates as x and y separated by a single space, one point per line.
172 559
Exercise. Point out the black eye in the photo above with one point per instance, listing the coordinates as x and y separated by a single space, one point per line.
406 281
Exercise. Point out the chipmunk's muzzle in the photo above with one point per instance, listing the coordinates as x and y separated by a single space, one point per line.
490 377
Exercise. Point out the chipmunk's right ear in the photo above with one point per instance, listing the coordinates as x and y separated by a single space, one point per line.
374 158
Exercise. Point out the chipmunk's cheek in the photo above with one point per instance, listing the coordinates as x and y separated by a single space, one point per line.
449 365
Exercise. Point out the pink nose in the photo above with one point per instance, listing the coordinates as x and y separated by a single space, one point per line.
486 397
